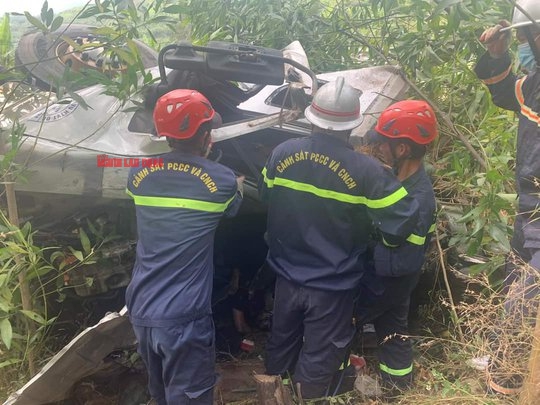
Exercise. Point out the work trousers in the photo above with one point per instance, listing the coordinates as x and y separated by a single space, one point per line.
385 301
310 337
180 361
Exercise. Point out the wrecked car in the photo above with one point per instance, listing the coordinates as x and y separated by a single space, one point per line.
78 160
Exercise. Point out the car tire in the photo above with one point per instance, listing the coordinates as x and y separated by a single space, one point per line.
36 53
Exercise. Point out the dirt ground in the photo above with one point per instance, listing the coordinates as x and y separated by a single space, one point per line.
236 384
236 381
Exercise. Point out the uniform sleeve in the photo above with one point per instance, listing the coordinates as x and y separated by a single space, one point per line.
398 261
235 202
498 76
424 229
393 211
406 258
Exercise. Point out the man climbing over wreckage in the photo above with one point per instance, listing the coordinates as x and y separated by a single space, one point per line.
519 93
322 199
178 206
400 139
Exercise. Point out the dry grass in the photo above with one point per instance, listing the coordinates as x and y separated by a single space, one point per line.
489 328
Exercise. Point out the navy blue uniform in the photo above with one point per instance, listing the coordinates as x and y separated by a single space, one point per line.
519 95
386 289
178 208
322 199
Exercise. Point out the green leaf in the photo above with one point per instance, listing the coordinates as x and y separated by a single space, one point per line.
10 362
500 235
85 242
15 248
26 229
57 22
51 321
44 9
106 31
33 316
39 270
92 228
49 17
511 198
7 295
6 332
56 255
177 9
35 22
77 253
63 264
475 269
79 100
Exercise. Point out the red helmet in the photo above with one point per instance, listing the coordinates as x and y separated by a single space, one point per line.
411 119
179 113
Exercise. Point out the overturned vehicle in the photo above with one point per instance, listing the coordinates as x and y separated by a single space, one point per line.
78 159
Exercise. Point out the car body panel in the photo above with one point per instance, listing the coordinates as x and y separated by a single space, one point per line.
380 86
65 140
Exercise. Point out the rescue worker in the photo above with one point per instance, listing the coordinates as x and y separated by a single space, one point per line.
401 136
519 94
178 207
322 198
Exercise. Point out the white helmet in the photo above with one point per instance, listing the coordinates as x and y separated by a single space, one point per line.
531 7
336 107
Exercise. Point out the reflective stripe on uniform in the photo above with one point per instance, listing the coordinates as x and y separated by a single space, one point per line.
498 78
525 110
335 195
172 202
397 373
387 244
416 239
345 364
269 182
420 240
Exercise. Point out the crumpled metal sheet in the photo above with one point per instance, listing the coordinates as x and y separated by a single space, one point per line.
82 357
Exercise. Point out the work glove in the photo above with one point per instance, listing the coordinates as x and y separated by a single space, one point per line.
496 42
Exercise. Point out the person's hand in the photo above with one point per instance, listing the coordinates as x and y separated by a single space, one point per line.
495 41
240 184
